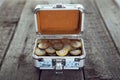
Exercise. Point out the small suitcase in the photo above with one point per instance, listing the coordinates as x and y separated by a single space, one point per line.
59 22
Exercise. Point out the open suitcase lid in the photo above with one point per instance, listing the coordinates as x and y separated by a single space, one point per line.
59 19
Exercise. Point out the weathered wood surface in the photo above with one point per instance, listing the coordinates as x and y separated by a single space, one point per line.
1 1
9 17
67 75
11 10
111 17
102 60
18 61
117 2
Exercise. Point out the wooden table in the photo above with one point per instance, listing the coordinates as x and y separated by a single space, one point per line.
101 37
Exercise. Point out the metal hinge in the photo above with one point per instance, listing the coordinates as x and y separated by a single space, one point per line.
59 5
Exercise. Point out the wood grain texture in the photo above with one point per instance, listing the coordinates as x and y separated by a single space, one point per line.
102 60
60 1
1 1
7 30
8 12
11 10
18 63
118 2
111 17
66 75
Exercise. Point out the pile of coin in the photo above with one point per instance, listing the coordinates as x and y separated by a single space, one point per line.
58 47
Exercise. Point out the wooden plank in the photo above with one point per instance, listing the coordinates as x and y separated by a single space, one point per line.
61 1
7 30
111 16
7 27
102 60
118 2
18 63
66 75
1 1
8 11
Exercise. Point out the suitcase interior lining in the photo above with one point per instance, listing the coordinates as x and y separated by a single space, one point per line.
59 21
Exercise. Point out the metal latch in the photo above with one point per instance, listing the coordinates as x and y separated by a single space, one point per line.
58 64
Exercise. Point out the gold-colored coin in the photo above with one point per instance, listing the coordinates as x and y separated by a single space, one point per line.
43 45
39 52
76 44
50 51
75 52
62 52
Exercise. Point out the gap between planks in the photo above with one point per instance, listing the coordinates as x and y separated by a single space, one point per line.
117 2
18 63
111 21
91 38
102 60
8 27
8 44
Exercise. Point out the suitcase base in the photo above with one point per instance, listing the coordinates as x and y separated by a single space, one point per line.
50 64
